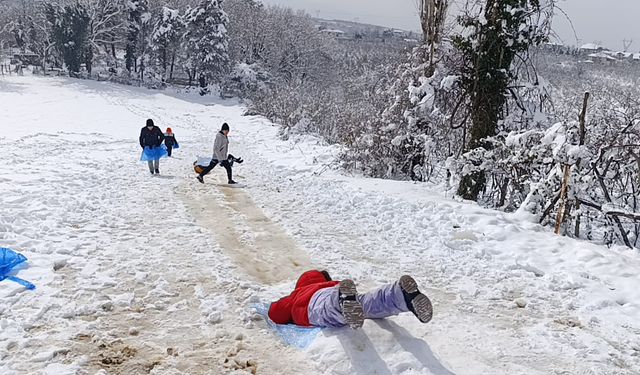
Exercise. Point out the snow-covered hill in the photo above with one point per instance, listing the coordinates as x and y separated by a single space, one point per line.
140 274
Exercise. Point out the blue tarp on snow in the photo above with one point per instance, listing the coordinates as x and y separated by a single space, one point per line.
10 263
154 153
300 337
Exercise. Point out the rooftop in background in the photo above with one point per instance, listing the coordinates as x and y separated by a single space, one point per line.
591 46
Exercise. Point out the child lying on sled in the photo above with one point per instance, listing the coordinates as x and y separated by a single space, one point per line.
319 301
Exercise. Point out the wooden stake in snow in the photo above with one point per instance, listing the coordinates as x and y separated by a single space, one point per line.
583 116
562 213
563 198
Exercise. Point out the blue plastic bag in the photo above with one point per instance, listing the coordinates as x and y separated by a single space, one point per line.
10 262
154 153
291 334
203 161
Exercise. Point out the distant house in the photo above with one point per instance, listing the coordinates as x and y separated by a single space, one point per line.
624 55
591 48
602 57
397 34
333 32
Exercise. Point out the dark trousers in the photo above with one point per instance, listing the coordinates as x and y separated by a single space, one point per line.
224 163
169 149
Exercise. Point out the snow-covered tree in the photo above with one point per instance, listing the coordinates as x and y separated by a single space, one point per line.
70 33
107 23
296 52
40 42
246 30
165 40
206 43
136 41
408 136
495 34
6 36
19 32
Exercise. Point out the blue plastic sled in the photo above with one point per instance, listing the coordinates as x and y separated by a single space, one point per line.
299 337
10 263
154 153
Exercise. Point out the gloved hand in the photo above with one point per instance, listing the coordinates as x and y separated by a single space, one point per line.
239 161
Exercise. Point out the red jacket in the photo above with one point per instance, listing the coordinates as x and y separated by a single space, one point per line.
295 307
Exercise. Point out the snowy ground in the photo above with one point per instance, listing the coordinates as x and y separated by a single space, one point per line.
139 274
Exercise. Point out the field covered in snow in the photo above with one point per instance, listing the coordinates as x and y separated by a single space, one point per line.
140 274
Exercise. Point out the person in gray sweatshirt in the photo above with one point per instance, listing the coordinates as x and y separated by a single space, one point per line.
220 155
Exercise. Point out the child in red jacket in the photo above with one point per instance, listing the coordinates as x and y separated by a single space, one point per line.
321 302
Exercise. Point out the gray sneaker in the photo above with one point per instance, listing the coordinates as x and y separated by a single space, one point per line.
418 303
351 308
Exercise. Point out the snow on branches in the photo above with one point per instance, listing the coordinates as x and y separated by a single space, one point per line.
165 40
206 42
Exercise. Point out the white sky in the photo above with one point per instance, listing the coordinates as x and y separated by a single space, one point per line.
607 22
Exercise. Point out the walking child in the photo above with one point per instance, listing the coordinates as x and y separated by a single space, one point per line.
170 141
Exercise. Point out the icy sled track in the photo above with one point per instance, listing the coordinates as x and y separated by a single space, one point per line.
139 274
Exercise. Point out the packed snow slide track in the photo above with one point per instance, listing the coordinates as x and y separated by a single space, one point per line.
257 245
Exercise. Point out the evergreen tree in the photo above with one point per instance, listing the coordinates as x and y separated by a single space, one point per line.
136 20
165 40
206 43
69 31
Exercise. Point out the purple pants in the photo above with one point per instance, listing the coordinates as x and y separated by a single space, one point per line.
324 308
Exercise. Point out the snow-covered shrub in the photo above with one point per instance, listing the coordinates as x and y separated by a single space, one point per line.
525 170
516 160
246 81
409 136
